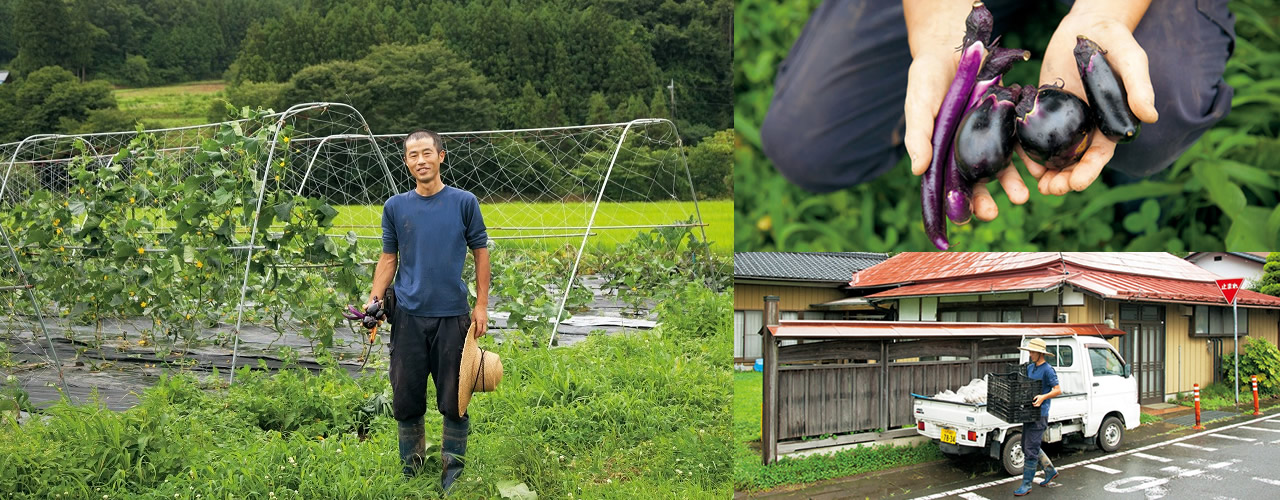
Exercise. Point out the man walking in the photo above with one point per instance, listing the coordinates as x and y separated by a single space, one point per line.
1033 432
425 236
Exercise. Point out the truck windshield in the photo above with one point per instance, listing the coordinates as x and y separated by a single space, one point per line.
1105 362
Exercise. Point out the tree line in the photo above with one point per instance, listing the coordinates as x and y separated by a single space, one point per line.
455 65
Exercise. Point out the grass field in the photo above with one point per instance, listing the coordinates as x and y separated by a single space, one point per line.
171 106
501 217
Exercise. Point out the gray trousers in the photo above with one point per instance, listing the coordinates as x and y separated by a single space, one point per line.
836 118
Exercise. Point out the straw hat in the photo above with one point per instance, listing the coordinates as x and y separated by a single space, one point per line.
480 371
1036 345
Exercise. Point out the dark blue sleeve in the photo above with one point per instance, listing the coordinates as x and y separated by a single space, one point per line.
389 242
476 233
1050 376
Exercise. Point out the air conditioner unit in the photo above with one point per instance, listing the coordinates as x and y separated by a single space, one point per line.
1187 310
1062 317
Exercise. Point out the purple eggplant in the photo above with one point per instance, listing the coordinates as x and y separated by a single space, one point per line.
984 143
998 62
957 195
933 182
1105 90
1054 127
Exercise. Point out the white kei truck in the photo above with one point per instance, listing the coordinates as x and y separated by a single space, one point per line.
1099 401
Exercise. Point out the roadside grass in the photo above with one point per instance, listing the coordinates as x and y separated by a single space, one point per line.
749 474
1150 419
1220 397
643 415
171 106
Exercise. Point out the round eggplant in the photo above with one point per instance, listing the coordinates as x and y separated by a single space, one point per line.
1105 90
1054 127
985 139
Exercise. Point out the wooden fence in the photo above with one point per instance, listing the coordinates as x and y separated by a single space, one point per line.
849 386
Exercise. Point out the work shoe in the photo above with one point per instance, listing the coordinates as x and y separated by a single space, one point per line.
1049 474
412 445
453 450
1028 476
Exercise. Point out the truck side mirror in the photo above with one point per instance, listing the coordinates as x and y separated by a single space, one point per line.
1127 371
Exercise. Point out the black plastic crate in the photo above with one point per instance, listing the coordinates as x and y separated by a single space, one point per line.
1009 396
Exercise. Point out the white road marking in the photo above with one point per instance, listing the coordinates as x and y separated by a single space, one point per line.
1100 468
1220 465
972 496
1175 442
1152 457
1150 482
1276 441
1259 429
1272 482
1173 469
1224 436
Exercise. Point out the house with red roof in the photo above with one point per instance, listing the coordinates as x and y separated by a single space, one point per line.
1177 324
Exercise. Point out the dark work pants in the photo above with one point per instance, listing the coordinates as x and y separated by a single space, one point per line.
837 113
1032 434
421 347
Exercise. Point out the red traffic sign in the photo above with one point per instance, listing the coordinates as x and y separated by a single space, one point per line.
1229 288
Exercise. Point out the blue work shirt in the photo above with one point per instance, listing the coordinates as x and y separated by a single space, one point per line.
1042 372
431 235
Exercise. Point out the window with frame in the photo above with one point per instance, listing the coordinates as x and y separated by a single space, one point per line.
1216 320
1062 355
1105 362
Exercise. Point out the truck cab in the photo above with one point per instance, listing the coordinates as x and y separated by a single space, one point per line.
1099 402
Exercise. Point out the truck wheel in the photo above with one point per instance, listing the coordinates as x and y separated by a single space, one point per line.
1011 454
1110 434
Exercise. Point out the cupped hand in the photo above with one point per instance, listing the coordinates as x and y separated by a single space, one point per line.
1113 31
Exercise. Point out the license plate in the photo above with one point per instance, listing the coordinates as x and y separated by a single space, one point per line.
949 436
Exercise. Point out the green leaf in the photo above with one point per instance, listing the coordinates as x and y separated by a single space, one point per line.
1129 192
516 491
283 211
1228 196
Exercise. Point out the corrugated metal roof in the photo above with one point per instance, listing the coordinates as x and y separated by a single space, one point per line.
912 267
1032 280
1111 285
1128 287
803 266
927 329
917 267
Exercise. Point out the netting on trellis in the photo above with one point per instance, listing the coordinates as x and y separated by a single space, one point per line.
185 241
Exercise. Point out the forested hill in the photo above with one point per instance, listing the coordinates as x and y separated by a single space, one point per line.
476 64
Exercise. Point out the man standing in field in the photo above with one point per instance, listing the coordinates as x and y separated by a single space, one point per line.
425 236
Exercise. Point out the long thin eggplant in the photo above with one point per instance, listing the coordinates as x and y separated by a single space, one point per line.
1108 100
933 183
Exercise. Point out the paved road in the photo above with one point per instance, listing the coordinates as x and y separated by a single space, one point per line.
1240 460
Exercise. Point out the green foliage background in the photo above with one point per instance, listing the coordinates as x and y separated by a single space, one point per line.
1258 357
1221 194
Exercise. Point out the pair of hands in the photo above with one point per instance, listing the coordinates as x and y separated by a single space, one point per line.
479 317
935 33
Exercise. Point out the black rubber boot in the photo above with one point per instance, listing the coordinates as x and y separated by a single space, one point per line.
453 450
412 445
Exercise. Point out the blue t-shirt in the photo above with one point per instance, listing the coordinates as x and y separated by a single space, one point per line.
1042 372
431 235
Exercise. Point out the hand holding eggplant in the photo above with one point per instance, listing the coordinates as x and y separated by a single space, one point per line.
1110 27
